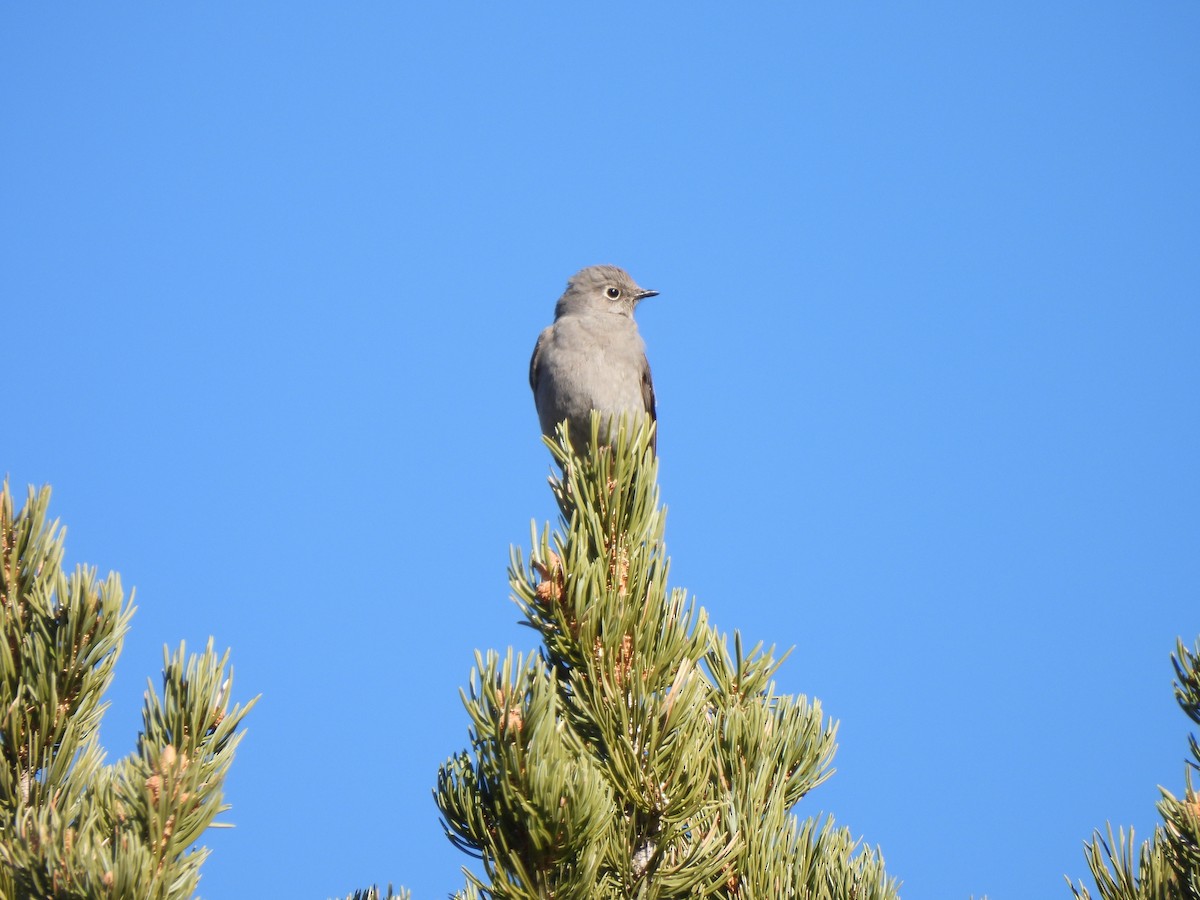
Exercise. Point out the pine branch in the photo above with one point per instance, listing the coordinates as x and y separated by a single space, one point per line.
71 826
1168 864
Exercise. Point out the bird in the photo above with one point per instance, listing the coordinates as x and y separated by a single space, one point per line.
592 358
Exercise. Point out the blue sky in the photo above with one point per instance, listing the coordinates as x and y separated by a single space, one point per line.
927 356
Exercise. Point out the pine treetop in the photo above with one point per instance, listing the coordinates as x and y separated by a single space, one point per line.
634 755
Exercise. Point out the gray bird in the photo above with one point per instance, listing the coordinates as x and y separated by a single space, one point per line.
592 357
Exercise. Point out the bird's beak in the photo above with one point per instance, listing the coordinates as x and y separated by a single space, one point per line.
642 295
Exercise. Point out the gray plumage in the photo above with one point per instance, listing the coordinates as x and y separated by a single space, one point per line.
592 357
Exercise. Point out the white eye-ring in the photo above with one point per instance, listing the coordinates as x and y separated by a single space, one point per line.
613 293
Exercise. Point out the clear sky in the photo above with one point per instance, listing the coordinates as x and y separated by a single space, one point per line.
927 356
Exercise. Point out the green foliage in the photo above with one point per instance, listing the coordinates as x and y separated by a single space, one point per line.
71 826
635 755
1167 866
374 894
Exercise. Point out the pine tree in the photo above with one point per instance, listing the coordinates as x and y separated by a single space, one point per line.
635 755
70 825
1166 867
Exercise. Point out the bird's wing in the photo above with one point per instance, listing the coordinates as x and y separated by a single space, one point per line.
533 360
648 398
648 389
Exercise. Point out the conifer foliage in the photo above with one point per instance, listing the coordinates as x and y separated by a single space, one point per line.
1168 865
637 754
70 825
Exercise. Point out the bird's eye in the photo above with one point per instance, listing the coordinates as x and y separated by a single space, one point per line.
613 293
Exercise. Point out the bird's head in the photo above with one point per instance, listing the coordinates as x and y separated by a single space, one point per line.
599 289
